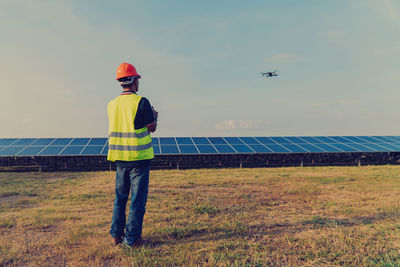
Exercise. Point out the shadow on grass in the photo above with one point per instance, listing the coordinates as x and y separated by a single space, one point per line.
318 221
191 233
237 230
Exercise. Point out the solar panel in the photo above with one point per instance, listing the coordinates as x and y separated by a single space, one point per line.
225 149
280 140
92 150
188 149
312 148
30 150
377 147
394 138
367 139
324 139
233 140
72 150
204 145
201 141
24 142
43 141
389 146
249 140
382 138
169 149
97 141
277 148
260 149
294 148
51 151
80 141
265 140
341 139
167 141
184 140
207 149
156 149
311 140
11 150
217 140
396 144
354 139
295 140
7 141
105 150
364 148
344 148
61 141
328 148
242 149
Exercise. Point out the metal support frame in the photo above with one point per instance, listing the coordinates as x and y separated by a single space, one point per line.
179 162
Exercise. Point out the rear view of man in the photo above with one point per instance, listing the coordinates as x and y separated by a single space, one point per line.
131 119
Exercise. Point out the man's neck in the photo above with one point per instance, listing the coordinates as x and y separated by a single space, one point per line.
131 89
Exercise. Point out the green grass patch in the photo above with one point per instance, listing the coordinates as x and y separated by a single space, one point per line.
201 209
7 222
390 258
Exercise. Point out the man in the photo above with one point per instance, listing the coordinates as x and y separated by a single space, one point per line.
131 119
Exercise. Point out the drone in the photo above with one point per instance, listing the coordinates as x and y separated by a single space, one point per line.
269 74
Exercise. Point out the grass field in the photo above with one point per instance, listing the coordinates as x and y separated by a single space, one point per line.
243 217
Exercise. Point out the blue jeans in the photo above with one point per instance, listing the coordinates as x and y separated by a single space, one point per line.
136 180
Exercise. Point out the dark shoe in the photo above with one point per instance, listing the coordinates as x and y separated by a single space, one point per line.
138 242
117 240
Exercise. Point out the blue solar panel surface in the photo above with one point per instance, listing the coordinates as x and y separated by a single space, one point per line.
188 149
207 149
204 145
51 150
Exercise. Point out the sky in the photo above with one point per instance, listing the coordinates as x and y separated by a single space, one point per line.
200 61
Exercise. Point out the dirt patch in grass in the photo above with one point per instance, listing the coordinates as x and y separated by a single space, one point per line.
10 199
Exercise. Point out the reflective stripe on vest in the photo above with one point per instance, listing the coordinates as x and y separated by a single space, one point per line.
130 148
129 135
125 142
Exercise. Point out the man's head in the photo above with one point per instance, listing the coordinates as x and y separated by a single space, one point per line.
130 83
128 77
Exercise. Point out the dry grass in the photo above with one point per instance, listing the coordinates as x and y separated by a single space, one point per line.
252 217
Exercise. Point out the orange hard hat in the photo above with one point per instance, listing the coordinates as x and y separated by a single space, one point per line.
126 70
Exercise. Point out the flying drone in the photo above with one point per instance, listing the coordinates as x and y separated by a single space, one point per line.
269 74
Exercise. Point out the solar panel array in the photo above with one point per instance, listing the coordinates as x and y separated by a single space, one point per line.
204 145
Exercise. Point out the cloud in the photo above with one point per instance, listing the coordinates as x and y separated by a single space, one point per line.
335 35
231 124
245 124
226 125
338 103
391 10
284 58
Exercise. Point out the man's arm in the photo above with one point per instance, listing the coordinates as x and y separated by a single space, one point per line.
153 126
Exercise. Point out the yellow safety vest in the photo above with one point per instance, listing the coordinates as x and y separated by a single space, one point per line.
125 143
